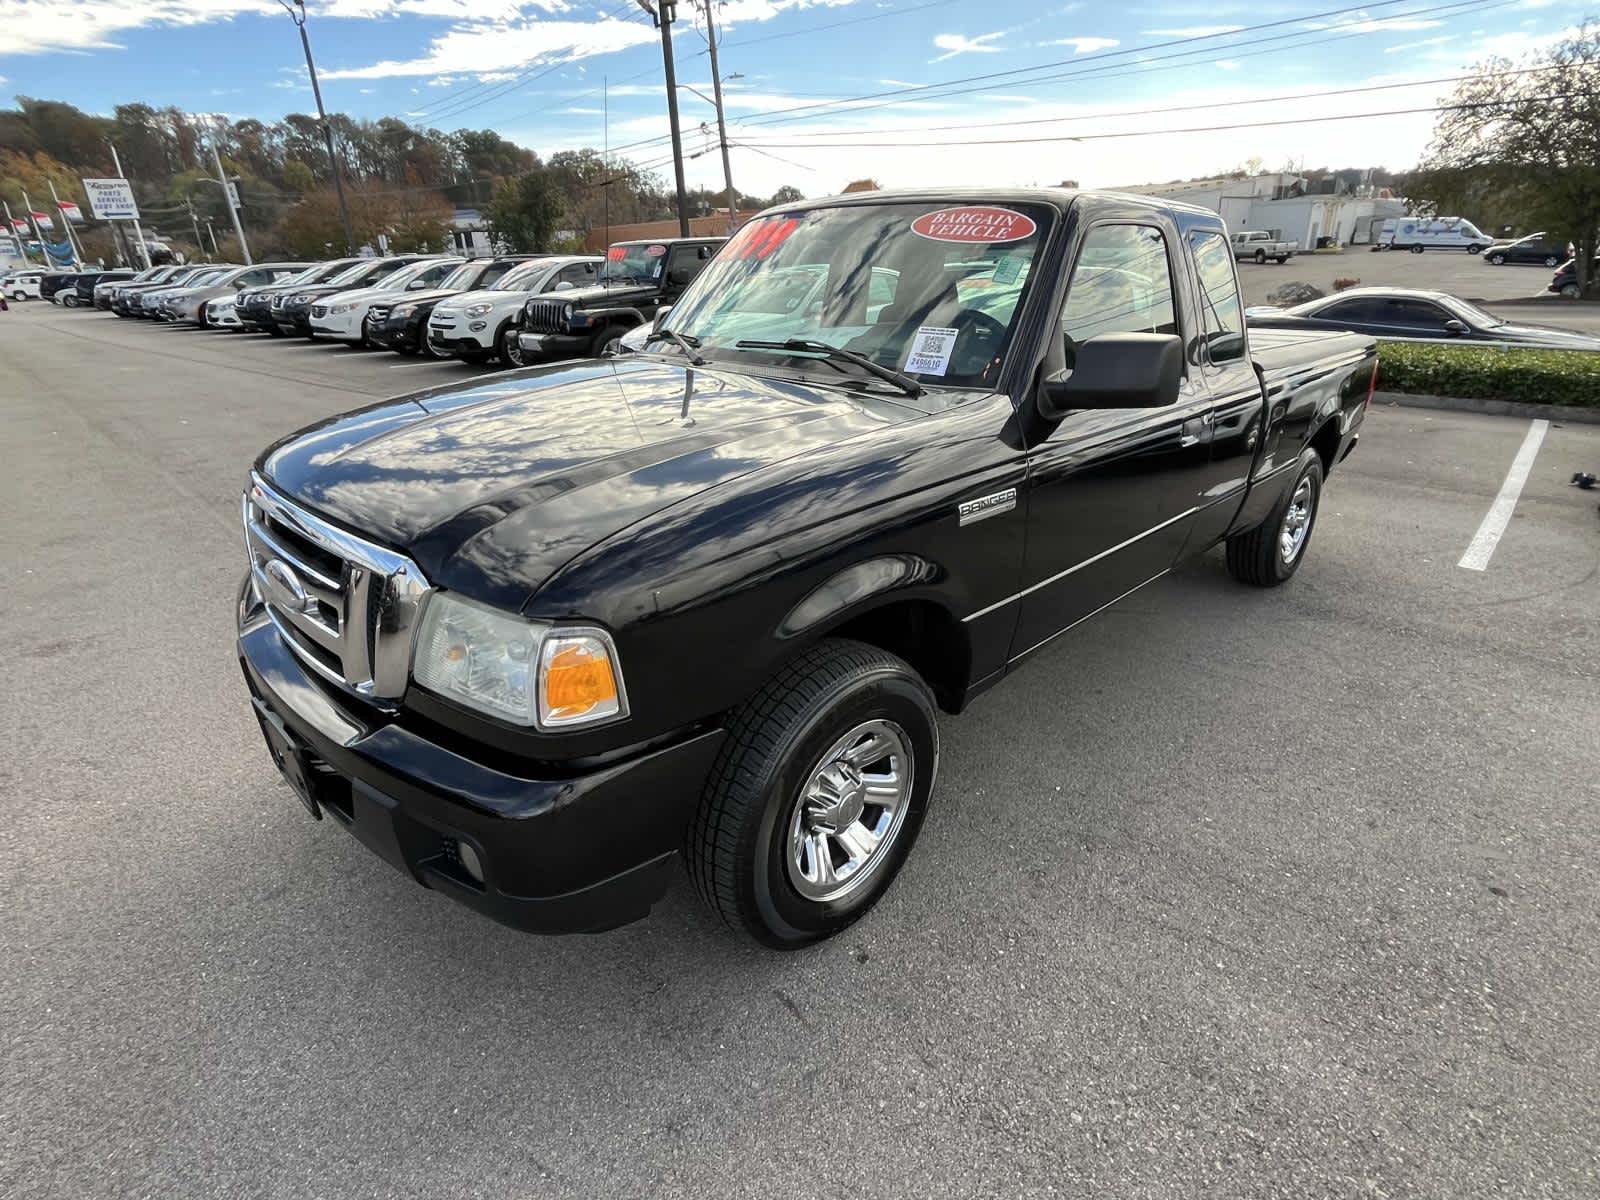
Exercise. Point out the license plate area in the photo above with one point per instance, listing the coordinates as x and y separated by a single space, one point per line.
291 759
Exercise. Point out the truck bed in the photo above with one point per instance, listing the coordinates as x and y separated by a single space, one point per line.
1290 351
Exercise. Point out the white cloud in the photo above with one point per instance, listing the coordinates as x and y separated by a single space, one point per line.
1227 64
477 49
959 43
1401 24
1433 41
1193 31
1085 45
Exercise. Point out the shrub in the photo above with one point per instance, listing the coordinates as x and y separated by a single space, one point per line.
1533 376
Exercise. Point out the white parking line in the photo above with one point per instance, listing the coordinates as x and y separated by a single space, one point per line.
1499 515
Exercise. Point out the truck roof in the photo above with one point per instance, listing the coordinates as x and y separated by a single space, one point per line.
1059 198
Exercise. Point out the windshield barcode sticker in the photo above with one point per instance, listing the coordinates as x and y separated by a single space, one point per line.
930 350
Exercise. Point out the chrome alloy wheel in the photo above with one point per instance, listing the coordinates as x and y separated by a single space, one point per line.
1296 521
850 811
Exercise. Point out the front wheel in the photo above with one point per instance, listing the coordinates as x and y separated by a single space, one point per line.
1417 249
1261 257
69 302
1272 552
1497 259
1550 260
817 796
510 349
1570 291
1474 248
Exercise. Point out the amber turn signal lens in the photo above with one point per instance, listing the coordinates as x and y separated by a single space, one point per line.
578 682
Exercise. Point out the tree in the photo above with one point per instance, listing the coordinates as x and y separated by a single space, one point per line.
1528 143
417 219
862 185
525 212
787 194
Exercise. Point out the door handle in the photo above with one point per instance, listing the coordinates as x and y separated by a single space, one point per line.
1191 432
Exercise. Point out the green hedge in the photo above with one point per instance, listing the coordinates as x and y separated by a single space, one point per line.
1570 377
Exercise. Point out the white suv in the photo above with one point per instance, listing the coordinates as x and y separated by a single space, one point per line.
475 325
340 315
22 285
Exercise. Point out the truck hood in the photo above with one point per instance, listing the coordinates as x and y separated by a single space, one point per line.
491 488
604 296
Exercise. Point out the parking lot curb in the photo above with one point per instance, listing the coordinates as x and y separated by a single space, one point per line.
1497 408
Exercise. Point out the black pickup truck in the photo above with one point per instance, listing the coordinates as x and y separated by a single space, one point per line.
532 639
637 280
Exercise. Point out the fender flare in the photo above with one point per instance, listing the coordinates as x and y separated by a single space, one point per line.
848 591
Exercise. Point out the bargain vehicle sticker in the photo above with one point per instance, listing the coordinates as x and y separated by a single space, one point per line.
655 251
617 253
930 350
759 239
973 223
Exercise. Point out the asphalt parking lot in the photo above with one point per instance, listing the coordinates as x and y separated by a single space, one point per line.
1461 274
1230 894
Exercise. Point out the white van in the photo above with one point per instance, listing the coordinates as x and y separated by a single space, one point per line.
1417 234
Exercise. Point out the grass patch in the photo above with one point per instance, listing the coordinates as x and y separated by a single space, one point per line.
1533 376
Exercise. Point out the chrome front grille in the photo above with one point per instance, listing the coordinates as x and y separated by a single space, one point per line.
346 607
378 313
543 316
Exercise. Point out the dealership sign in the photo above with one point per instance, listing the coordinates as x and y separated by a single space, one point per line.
111 199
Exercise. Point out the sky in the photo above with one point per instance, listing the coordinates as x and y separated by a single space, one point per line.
820 92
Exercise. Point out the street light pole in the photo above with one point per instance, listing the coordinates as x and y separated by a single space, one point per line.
668 13
722 124
233 209
297 13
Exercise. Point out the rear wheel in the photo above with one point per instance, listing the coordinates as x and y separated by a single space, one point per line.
1474 248
1550 260
1417 248
69 301
1272 552
1570 291
1261 257
817 796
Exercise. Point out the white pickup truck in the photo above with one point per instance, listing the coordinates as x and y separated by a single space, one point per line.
1259 246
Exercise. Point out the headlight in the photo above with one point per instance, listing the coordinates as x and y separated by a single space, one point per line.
403 311
341 308
521 671
567 311
478 310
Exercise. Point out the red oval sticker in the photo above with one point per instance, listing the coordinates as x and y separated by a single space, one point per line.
655 251
973 224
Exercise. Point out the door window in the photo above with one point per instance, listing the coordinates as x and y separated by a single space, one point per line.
491 275
1122 284
1219 297
1352 311
1414 314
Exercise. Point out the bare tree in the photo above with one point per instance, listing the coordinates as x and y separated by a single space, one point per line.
1532 138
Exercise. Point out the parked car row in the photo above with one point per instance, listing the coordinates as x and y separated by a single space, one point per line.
516 309
1413 314
66 288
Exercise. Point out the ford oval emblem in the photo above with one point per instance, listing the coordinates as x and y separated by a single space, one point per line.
291 591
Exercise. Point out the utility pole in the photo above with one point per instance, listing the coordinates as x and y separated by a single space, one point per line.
66 223
233 210
194 222
22 240
297 13
722 124
668 13
144 251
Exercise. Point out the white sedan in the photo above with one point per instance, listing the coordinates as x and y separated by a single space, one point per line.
340 315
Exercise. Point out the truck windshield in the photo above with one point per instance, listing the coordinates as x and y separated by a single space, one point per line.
640 263
926 289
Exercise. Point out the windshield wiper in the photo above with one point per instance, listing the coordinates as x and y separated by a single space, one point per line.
685 343
838 354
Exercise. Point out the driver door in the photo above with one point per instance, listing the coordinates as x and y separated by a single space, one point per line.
1112 491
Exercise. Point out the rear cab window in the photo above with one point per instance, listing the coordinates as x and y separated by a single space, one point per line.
1221 310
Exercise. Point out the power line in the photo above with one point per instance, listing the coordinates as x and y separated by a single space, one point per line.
1147 112
1098 137
927 91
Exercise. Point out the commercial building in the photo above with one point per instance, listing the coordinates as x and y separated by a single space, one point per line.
1287 205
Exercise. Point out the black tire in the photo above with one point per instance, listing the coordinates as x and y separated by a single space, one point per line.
1550 260
738 844
1256 556
475 357
1474 248
276 331
1570 291
69 302
612 348
1416 248
1497 259
1282 258
508 350
1261 257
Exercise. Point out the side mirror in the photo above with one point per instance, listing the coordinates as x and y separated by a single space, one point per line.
1117 370
564 286
239 285
416 285
1456 328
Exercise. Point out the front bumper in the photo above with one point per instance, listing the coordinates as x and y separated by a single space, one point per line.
224 318
455 342
560 853
340 327
394 335
554 346
293 320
